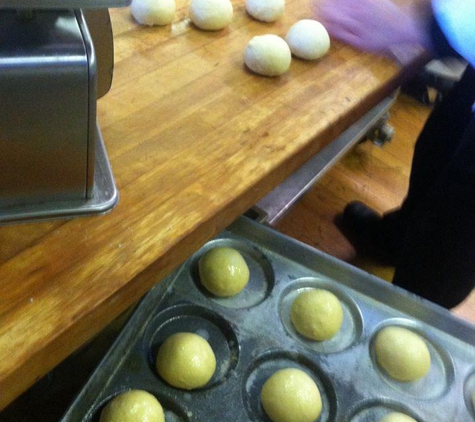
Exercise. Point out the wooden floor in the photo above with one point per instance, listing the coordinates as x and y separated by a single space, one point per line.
375 175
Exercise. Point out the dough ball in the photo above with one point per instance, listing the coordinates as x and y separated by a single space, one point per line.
308 39
133 406
153 12
268 55
211 15
265 10
186 360
317 314
223 271
290 395
397 417
403 354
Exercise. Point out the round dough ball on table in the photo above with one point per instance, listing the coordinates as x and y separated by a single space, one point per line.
265 10
308 39
268 55
186 360
403 354
133 406
223 271
317 314
291 395
397 417
153 12
211 15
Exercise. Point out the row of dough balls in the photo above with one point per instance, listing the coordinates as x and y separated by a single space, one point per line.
268 55
210 15
316 314
288 395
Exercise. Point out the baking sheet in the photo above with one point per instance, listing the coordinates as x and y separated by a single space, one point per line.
252 336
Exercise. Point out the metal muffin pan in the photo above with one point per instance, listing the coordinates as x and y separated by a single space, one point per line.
252 336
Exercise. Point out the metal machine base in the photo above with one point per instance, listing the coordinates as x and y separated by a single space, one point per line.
105 196
435 80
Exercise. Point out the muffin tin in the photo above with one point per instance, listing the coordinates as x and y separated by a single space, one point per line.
252 337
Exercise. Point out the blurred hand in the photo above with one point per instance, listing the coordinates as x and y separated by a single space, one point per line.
378 26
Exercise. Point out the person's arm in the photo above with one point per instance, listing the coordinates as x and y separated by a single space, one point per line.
382 26
378 26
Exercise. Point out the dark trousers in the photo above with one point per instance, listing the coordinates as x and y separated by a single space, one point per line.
435 226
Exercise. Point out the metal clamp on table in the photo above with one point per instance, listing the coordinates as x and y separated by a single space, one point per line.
52 156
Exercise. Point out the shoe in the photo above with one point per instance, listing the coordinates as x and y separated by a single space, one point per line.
366 231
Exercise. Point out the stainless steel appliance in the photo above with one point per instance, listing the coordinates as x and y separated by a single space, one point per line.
52 157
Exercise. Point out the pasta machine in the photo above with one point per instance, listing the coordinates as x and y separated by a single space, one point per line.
56 59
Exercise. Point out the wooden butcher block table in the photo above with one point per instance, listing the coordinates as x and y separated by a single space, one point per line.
194 140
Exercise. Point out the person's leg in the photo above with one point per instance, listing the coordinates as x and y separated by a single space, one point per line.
382 236
440 138
438 257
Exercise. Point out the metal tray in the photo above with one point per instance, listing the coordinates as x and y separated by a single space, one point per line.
252 336
105 196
